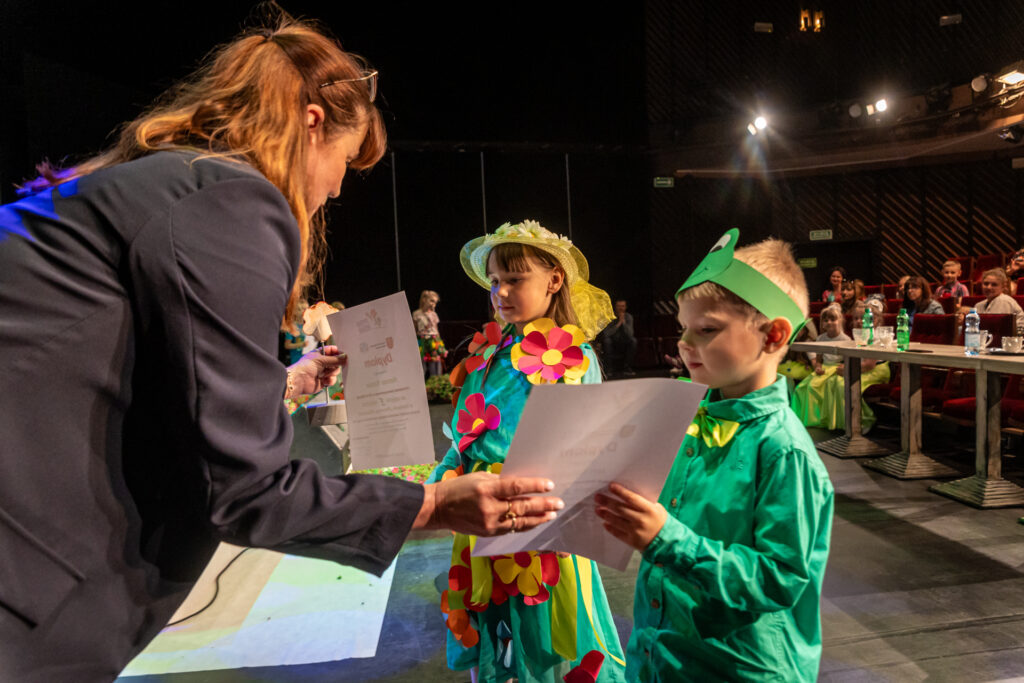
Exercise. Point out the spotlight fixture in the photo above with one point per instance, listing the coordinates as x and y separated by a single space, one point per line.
855 110
870 108
751 129
1012 134
881 105
760 123
979 84
1012 75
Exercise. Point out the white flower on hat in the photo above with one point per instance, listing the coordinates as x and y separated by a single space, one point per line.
531 228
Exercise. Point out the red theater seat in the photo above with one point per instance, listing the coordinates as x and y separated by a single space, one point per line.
816 306
985 262
889 291
962 411
933 329
999 324
893 305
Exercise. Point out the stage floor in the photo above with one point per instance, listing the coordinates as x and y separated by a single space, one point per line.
918 587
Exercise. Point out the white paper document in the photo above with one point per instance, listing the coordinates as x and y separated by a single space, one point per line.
386 401
585 437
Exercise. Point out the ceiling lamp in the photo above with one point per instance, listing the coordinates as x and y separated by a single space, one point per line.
1012 75
979 84
881 105
855 110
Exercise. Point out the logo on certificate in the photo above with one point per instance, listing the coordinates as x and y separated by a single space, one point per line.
390 342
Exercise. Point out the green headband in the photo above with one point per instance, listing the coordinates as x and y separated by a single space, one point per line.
720 267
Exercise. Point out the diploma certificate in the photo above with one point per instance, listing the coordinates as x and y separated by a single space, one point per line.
388 417
585 437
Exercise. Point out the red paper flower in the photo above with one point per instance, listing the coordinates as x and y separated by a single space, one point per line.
526 574
475 419
549 353
483 346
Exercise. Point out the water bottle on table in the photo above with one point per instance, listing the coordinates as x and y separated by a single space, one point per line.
972 333
902 330
867 322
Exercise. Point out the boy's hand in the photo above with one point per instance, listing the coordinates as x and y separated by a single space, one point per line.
631 518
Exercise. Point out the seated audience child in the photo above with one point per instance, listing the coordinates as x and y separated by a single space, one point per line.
796 365
819 400
734 551
852 292
994 284
951 285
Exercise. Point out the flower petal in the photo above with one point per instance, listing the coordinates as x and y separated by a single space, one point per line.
465 422
474 362
534 344
465 441
459 578
492 331
475 405
572 356
492 417
529 365
559 339
541 325
537 598
552 373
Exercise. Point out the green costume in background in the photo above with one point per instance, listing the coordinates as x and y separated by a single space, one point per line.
518 639
730 587
819 400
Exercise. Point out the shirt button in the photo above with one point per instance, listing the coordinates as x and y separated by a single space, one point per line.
689 451
655 604
674 502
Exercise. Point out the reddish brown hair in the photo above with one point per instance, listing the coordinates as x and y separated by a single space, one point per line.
247 102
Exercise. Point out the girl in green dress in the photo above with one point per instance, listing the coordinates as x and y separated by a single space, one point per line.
528 616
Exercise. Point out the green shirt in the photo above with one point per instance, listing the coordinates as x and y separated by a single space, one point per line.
730 588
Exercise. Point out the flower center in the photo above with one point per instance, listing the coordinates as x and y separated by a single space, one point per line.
476 423
551 357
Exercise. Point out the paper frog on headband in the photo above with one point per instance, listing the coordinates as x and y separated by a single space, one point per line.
721 267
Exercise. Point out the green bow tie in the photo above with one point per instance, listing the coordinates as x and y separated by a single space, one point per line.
714 431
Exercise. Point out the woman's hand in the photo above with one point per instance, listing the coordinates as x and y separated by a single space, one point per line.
630 517
482 504
314 371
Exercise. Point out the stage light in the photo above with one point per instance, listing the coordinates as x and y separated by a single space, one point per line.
751 129
1012 75
979 84
881 105
760 123
870 108
855 110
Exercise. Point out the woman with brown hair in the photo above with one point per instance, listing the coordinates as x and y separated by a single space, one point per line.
917 298
161 272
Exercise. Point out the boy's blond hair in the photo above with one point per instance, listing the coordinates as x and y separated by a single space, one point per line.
953 263
772 258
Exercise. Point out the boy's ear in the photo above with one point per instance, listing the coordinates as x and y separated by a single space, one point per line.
777 334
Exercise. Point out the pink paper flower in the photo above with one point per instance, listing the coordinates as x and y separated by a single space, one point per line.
549 353
483 346
475 419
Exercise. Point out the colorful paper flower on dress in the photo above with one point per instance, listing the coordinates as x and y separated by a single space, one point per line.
475 419
526 573
483 346
549 353
459 623
314 320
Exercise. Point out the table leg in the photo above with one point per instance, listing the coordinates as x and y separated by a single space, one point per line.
910 462
986 488
852 444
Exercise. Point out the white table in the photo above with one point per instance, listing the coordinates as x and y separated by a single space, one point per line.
986 487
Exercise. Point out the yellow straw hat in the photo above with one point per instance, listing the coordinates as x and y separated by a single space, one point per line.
592 306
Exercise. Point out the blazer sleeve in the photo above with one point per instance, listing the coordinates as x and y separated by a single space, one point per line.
213 276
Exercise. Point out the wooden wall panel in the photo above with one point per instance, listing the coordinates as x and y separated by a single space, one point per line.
900 224
995 213
945 212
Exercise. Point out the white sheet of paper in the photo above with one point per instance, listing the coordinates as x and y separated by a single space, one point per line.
386 401
585 437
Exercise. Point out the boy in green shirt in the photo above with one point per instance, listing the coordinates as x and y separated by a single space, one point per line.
734 550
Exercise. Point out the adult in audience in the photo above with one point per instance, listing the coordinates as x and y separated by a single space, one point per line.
148 425
836 278
1015 270
619 341
994 284
917 298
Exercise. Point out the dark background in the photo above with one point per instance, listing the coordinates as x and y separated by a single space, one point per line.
561 112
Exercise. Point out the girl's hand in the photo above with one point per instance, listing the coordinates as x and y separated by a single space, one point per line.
314 371
630 517
818 370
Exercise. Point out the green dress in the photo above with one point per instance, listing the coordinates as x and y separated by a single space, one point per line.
561 612
730 588
819 400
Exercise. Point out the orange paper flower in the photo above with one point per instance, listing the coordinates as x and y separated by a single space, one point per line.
459 623
549 353
484 345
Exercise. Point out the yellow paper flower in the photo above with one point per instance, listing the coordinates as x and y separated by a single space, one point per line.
549 353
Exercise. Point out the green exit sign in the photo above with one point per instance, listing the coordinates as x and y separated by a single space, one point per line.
806 263
820 235
661 181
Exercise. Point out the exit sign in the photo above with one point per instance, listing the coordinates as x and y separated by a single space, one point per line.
817 235
806 263
662 181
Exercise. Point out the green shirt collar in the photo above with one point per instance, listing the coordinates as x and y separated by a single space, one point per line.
770 399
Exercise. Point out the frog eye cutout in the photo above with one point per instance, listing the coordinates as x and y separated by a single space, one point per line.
722 243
